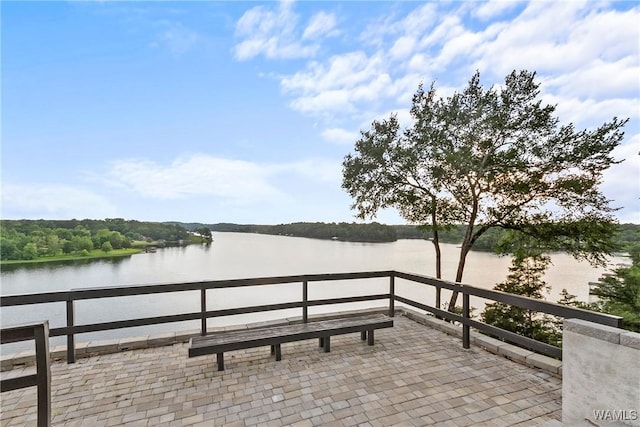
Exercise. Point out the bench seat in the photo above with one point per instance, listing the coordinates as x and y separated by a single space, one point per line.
221 342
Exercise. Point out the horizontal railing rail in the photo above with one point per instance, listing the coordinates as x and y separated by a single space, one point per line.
70 297
533 304
131 290
42 378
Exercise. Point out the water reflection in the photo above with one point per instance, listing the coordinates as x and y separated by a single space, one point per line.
55 265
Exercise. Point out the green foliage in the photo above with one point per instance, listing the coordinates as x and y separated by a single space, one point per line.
106 247
628 237
372 232
204 232
117 240
82 243
491 240
634 254
31 239
10 249
30 251
572 300
525 278
619 293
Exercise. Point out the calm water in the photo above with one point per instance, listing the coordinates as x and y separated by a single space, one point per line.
240 255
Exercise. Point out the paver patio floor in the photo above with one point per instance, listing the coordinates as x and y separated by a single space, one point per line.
414 375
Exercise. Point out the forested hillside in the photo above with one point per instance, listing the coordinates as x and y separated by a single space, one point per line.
31 239
373 232
628 235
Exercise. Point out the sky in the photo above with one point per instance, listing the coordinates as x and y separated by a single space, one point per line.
210 111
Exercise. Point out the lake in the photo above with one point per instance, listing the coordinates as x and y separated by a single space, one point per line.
243 255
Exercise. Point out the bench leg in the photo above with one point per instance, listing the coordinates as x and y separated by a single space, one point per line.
320 342
363 335
327 344
277 352
273 350
220 360
370 337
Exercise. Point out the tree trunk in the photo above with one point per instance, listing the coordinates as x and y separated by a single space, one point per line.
436 244
464 250
461 262
436 238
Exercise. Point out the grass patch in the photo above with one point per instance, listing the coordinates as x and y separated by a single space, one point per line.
94 254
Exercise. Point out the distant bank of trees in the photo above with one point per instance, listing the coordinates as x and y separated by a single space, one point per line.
352 232
31 239
627 235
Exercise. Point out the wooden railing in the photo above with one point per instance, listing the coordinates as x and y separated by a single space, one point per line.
42 378
72 296
540 306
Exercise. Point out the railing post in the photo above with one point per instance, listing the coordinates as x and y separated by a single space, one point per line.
203 312
465 315
305 301
438 300
392 294
71 339
43 374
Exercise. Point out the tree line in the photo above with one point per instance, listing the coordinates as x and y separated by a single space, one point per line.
31 239
352 232
625 236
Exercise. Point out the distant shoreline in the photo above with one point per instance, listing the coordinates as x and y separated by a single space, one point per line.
95 254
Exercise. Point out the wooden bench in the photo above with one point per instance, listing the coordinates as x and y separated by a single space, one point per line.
274 336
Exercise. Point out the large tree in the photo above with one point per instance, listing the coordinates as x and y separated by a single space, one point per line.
488 158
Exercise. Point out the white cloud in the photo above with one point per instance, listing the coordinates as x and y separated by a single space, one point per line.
196 175
340 136
598 79
341 71
324 103
275 33
622 181
587 113
416 22
238 182
336 87
586 55
460 46
568 37
53 201
581 50
493 8
321 24
419 20
403 47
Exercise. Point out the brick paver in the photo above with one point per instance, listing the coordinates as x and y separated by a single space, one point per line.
413 376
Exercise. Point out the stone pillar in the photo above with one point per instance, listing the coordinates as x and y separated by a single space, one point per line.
600 375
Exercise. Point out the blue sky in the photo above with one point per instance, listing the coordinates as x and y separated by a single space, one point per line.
243 111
